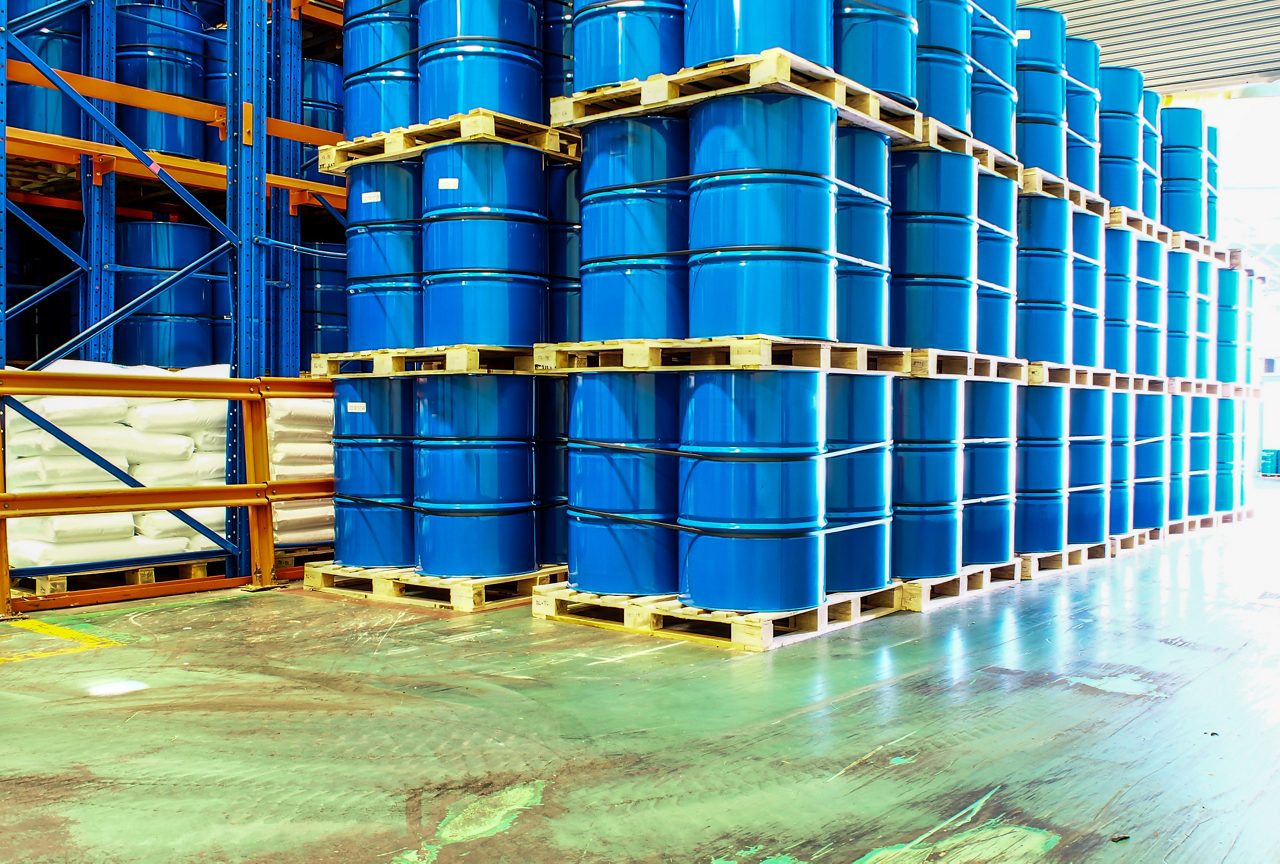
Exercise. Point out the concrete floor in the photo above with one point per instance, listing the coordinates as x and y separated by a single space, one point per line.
1123 713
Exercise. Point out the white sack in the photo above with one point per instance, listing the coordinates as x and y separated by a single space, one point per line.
36 553
161 523
217 370
183 416
301 472
302 453
209 440
300 412
305 537
284 434
200 469
71 411
84 528
109 439
62 472
303 515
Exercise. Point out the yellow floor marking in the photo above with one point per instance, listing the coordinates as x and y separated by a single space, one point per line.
83 641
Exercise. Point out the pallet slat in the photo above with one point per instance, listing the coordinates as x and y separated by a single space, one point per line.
411 361
925 595
142 574
936 363
739 352
1037 181
405 585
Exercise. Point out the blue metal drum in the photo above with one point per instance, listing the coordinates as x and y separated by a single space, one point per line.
1043 428
1230 333
557 49
928 425
989 470
1121 300
217 83
1180 314
762 217
624 40
944 63
373 470
480 54
1150 309
379 65
1179 425
1201 446
1229 455
1044 323
1206 327
384 256
933 297
1083 101
1121 462
175 329
564 253
1089 455
1087 232
474 475
551 467
1183 204
635 285
859 414
862 236
715 29
613 556
761 492
1121 139
997 263
995 92
1151 141
875 45
159 48
484 240
58 43
324 302
321 108
1151 460
1042 89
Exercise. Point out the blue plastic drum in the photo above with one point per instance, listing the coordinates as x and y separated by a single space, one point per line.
1151 460
1041 524
384 256
944 65
862 236
625 40
159 48
324 302
557 49
716 29
58 43
928 425
989 471
997 263
1089 454
379 65
322 94
174 330
551 467
875 45
859 411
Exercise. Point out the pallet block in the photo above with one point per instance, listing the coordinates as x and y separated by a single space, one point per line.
405 585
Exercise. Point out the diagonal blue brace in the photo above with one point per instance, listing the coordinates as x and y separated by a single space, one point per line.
333 211
127 143
40 295
48 236
123 476
37 18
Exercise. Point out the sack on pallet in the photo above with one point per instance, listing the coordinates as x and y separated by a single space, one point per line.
283 434
93 367
82 528
302 453
161 523
210 440
303 515
300 412
216 370
301 472
183 416
37 553
108 439
70 411
305 537
59 472
200 469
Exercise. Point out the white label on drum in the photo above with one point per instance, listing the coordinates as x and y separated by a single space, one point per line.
447 183
357 408
370 197
1024 34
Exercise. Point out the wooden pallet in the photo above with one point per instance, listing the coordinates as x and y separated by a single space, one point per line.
1146 384
1044 372
91 577
299 557
732 352
937 363
772 71
1183 526
479 124
1192 387
1035 564
925 595
936 135
421 361
1200 246
1118 544
666 617
1123 217
1037 181
405 585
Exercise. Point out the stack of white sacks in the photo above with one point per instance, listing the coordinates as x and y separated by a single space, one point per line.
160 442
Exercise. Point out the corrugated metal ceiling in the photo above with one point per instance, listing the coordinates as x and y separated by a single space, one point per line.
1182 44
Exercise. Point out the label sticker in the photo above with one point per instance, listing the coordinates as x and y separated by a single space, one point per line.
357 408
447 183
1024 34
370 197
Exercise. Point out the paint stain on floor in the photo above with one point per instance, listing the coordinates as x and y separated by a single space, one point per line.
476 817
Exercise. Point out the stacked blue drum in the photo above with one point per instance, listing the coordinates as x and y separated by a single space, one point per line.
622 40
1045 329
1211 184
1229 458
484 234
862 236
995 91
1149 357
564 253
635 225
217 84
373 469
752 489
57 42
1151 154
989 471
1121 301
1121 124
1180 314
1230 359
321 108
384 255
1083 100
944 61
1150 460
379 65
175 329
551 467
1121 462
715 29
1201 450
933 300
859 474
1183 166
1042 89
875 45
324 300
1206 319
1087 288
557 49
1089 455
480 55
928 427
624 410
473 486
997 264
1179 455
762 222
1043 430
160 47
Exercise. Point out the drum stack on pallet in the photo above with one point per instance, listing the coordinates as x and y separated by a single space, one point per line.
764 214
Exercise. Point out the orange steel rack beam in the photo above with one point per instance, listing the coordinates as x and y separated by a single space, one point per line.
257 493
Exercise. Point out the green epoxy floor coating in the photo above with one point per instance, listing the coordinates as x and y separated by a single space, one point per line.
1122 713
